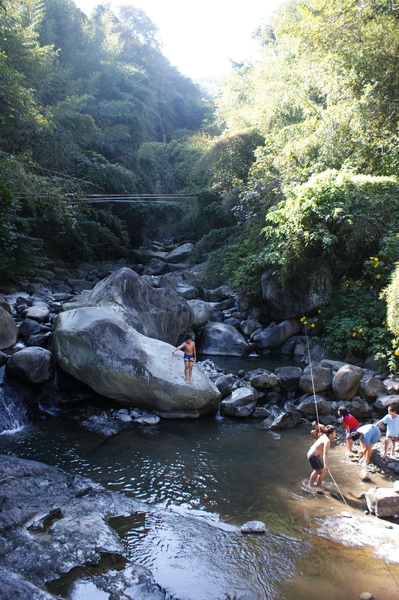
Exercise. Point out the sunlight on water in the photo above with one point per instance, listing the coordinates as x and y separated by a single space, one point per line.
206 478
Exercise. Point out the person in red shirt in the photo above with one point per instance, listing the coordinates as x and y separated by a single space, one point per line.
350 424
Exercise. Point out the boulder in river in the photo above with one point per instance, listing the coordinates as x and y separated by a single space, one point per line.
275 335
316 379
52 522
346 381
33 364
218 338
8 330
382 502
98 347
240 403
306 290
155 313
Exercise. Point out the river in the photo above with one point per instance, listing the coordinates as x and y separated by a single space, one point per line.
208 477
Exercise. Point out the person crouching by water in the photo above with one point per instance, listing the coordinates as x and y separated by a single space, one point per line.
317 429
190 357
367 435
318 456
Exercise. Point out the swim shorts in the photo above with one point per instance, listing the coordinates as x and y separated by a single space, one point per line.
394 439
316 462
189 357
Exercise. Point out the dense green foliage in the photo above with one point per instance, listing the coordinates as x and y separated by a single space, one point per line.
86 105
299 161
322 95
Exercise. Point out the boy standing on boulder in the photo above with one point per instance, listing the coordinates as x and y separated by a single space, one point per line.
318 456
190 357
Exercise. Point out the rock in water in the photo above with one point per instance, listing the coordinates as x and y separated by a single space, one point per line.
253 527
99 347
159 314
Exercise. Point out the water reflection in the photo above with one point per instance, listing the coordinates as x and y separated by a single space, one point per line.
207 478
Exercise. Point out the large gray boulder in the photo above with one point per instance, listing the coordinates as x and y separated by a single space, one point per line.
359 408
41 314
308 289
159 314
284 420
382 502
201 311
178 285
346 381
275 335
371 387
288 377
8 330
99 347
264 380
240 403
382 402
33 364
314 405
315 379
179 254
221 339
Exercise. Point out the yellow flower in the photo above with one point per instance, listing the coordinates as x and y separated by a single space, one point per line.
312 325
378 276
360 330
354 334
302 320
372 258
375 265
396 352
319 311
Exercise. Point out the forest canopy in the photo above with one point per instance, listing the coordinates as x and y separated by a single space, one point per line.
296 156
87 105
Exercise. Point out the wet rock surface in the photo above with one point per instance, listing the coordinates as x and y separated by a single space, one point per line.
52 522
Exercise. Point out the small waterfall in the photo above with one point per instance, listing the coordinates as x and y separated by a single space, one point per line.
13 409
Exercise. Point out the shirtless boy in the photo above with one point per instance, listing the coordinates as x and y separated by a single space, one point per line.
318 455
190 356
317 429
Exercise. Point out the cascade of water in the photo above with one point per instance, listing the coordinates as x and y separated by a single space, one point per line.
13 410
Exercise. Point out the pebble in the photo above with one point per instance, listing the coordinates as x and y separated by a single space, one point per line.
365 475
346 514
366 596
253 527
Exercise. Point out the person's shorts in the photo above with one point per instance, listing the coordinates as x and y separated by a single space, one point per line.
394 439
316 462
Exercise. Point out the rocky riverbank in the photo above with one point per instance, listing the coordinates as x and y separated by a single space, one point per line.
126 319
52 522
112 328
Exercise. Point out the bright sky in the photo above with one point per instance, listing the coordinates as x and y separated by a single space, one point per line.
199 37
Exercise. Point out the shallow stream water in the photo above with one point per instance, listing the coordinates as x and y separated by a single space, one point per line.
208 477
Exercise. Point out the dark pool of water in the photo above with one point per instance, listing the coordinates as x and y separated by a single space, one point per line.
208 477
233 364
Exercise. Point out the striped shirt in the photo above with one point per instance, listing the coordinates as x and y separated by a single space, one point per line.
392 424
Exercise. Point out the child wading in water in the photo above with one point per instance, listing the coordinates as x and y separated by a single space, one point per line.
391 420
350 424
318 456
190 356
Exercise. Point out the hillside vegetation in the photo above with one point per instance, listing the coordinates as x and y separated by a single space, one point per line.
296 158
